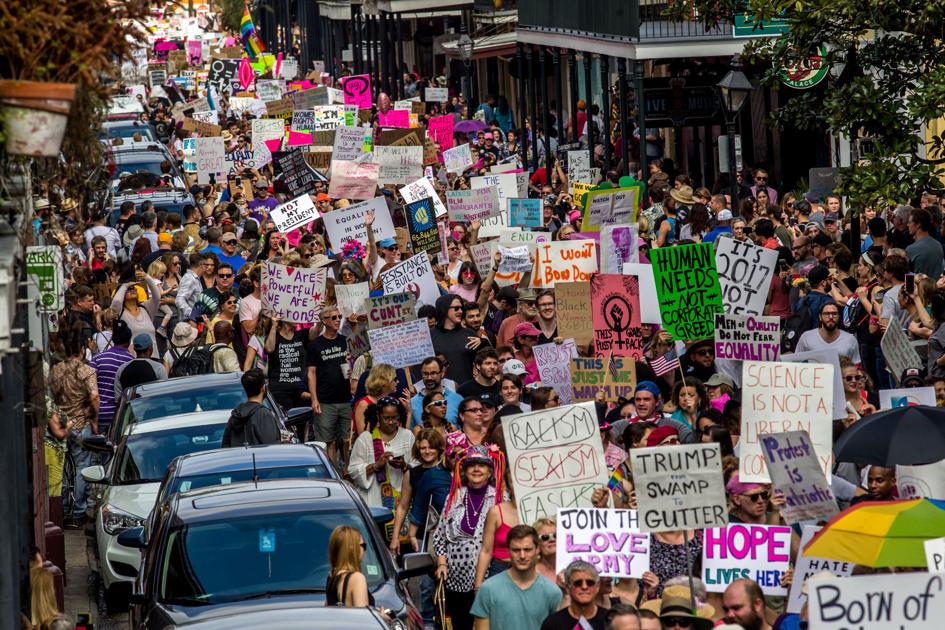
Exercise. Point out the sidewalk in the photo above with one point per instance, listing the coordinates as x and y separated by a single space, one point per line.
81 595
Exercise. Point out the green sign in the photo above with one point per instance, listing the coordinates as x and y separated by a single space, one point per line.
44 267
687 286
806 73
746 26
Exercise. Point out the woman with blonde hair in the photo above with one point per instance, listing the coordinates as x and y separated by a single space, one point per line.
381 381
346 586
43 596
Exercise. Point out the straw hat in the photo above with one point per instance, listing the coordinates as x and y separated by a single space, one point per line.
184 335
676 602
683 195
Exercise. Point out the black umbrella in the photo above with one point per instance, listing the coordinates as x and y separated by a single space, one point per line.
908 436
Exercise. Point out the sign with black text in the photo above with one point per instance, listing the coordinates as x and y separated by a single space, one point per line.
745 272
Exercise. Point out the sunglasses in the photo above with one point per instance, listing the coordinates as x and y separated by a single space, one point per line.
547 537
854 378
705 352
332 318
473 410
224 275
456 308
681 622
228 302
363 545
584 583
763 496
230 242
437 403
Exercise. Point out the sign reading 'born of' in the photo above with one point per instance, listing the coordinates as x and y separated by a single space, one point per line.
688 288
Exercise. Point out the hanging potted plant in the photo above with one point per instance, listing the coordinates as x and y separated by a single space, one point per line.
34 116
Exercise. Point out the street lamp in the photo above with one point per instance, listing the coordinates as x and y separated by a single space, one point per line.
733 92
465 47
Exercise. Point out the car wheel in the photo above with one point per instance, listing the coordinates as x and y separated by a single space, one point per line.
117 598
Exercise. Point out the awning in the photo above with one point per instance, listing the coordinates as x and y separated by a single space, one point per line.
485 47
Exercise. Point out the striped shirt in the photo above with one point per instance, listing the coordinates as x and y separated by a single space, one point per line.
106 365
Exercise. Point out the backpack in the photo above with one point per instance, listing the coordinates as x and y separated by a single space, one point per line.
795 325
194 361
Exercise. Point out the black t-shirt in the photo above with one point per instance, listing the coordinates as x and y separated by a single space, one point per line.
562 620
327 356
473 388
287 363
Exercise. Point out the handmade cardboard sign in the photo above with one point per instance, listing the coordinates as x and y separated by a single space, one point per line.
293 294
615 311
609 539
687 285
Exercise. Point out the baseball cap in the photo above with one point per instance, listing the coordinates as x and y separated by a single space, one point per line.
261 183
659 434
718 379
648 386
507 293
121 332
142 341
514 366
831 217
725 215
911 376
385 243
526 329
488 135
164 238
488 399
817 275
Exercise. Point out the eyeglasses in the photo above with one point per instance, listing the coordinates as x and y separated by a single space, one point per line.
830 315
763 496
547 537
429 374
853 378
437 403
682 622
474 410
584 583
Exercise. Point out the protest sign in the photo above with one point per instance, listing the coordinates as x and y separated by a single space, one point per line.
205 129
235 161
780 397
795 471
679 487
350 298
353 180
481 255
436 95
399 164
388 309
579 166
649 302
457 159
310 98
328 117
303 120
401 345
579 191
264 129
468 205
563 261
401 138
923 481
281 109
222 72
831 356
514 260
492 226
293 294
609 539
615 312
350 143
344 224
555 459
45 271
806 566
610 205
907 397
358 343
618 245
688 288
422 189
572 304
414 276
740 550
553 361
590 375
357 90
877 602
440 130
210 158
421 223
294 213
745 272
269 90
505 167
297 176
935 555
752 337
524 212
251 105
396 118
900 354
506 185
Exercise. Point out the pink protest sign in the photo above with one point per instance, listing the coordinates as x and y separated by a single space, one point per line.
195 52
441 130
615 310
399 118
353 180
758 552
299 139
357 90
297 86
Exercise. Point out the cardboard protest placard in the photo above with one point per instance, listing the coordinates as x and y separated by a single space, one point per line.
553 361
210 158
506 185
752 337
436 95
679 487
832 357
422 189
687 285
756 552
399 164
514 260
806 566
481 255
264 129
353 180
877 602
350 143
281 109
457 159
388 309
524 212
293 294
357 90
358 343
344 224
414 276
491 227
205 129
401 138
555 459
610 205
297 177
906 397
609 539
935 555
401 345
615 312
572 304
468 205
563 261
900 354
294 213
424 236
350 298
745 272
926 481
795 471
780 397
588 375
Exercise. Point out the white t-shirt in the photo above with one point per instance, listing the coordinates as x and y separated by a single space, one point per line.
845 344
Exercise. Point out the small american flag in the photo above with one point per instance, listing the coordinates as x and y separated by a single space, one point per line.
666 363
612 366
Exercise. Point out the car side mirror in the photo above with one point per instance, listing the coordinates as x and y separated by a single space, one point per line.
137 599
93 474
99 443
298 417
414 564
133 537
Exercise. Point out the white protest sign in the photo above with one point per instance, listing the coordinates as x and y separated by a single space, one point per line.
679 487
579 166
649 302
391 308
421 189
492 226
468 205
899 353
210 158
504 167
877 602
619 244
348 223
795 471
457 159
924 481
555 458
564 261
906 397
267 129
553 361
780 397
293 294
745 272
740 550
935 555
399 164
294 213
506 186
806 566
436 95
269 89
514 260
349 143
481 255
350 297
401 345
831 356
611 205
414 276
752 337
609 539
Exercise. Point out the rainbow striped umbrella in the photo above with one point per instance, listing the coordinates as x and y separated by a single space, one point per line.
881 533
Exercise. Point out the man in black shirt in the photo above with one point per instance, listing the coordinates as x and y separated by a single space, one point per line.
583 582
328 383
484 379
144 369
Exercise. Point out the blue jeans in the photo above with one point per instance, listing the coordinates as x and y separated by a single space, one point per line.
83 459
427 588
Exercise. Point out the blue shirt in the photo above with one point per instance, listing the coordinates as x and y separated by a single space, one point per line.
510 607
714 234
452 408
432 491
234 261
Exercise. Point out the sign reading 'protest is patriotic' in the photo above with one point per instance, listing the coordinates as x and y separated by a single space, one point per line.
795 471
688 288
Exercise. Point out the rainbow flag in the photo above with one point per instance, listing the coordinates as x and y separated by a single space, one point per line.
251 42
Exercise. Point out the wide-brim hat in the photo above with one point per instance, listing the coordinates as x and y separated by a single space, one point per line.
683 195
184 335
132 234
676 602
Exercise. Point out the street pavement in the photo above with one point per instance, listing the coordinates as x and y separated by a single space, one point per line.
82 594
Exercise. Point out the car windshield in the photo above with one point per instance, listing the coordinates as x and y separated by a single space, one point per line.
242 558
193 482
191 400
152 165
129 132
145 456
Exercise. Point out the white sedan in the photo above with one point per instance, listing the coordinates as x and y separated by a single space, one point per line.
132 481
